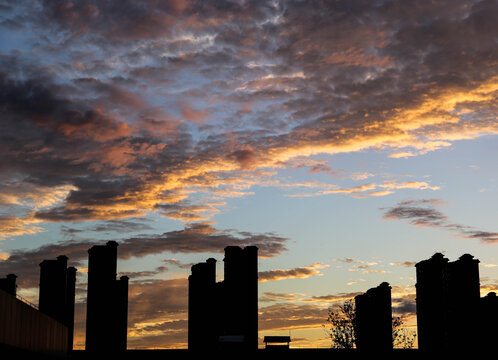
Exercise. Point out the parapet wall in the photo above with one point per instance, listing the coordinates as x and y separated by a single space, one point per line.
24 327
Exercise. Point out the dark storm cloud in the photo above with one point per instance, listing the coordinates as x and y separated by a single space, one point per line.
423 213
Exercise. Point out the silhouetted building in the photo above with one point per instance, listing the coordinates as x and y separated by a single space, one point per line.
240 291
8 284
26 332
70 301
57 292
52 295
107 301
202 307
488 320
225 314
463 294
447 302
430 300
374 319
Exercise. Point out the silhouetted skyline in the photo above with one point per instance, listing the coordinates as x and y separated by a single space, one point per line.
223 316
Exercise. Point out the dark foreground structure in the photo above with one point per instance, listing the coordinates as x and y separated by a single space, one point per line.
224 315
107 301
300 354
448 297
57 293
46 330
374 319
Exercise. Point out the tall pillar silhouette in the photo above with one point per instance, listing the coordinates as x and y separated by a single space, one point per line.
8 284
52 296
374 319
241 293
70 301
446 290
202 307
107 301
57 292
225 314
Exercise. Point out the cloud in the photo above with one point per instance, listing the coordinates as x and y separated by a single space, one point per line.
291 317
368 189
109 114
404 306
15 226
409 264
118 226
18 193
143 159
334 297
270 296
296 273
142 274
201 238
188 212
423 213
362 266
346 260
195 238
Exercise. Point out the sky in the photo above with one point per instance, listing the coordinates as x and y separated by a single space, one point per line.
346 139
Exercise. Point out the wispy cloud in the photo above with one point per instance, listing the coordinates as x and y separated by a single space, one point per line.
424 213
296 273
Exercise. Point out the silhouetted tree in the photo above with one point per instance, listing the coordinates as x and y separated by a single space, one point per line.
342 320
402 337
342 330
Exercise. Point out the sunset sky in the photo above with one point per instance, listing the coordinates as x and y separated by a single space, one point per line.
347 139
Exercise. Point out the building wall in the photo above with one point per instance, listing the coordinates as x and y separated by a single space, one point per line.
488 318
431 318
107 301
241 293
447 302
24 327
52 297
8 284
203 319
225 314
374 319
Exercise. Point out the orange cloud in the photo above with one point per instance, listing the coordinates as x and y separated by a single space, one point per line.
296 273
